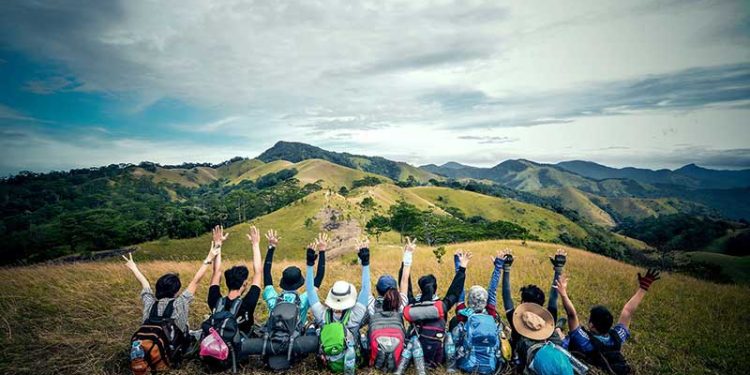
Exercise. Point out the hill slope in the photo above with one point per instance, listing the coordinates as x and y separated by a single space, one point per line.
79 317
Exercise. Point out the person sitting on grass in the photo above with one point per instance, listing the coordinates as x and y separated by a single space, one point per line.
291 278
529 294
168 290
236 279
600 343
481 299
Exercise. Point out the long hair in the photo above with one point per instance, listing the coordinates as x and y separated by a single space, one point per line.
391 300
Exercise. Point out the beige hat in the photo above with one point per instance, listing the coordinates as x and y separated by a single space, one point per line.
342 296
533 321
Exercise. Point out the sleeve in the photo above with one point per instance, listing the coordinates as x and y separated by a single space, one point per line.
214 293
186 296
312 295
250 300
455 289
622 331
147 296
404 302
267 265
553 295
582 339
321 273
507 299
270 295
357 317
492 288
457 266
364 293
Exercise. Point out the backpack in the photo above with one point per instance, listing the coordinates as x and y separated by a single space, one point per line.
428 323
607 357
480 345
281 329
566 366
221 334
333 341
161 340
386 339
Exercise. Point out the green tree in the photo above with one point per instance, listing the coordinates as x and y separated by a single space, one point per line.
377 225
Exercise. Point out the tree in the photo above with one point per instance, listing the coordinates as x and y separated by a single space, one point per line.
405 217
368 203
377 225
344 191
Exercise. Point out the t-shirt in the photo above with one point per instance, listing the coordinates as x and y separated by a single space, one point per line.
583 340
247 309
270 295
181 306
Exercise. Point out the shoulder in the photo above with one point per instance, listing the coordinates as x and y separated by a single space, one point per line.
622 331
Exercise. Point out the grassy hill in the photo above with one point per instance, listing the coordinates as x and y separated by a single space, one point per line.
736 268
579 201
310 171
78 318
541 222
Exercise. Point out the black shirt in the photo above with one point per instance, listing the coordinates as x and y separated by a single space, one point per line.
247 309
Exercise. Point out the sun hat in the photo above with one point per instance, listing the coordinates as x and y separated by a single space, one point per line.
476 299
342 296
291 278
533 321
385 282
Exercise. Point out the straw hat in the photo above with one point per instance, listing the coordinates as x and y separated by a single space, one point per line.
342 296
533 321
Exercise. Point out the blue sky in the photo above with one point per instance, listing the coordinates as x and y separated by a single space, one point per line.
642 83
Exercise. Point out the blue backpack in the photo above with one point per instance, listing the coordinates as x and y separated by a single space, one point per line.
479 345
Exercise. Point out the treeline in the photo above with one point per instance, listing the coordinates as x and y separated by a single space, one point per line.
45 216
435 229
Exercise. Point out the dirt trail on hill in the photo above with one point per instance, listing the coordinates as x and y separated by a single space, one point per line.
343 231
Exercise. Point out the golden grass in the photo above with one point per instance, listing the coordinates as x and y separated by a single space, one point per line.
78 318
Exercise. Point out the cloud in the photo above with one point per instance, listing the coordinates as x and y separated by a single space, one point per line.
488 139
50 85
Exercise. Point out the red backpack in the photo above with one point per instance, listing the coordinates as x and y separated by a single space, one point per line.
386 339
428 322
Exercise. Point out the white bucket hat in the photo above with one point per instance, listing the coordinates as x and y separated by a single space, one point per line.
342 296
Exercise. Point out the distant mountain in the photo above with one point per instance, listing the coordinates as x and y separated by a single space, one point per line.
690 175
296 152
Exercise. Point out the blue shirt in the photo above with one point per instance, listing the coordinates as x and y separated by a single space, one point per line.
583 340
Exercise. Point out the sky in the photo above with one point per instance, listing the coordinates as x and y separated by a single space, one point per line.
655 84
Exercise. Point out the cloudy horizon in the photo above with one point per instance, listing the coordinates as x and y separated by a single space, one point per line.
650 84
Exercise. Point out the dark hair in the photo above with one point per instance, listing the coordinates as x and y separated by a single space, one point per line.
601 319
532 293
168 286
235 277
428 287
391 300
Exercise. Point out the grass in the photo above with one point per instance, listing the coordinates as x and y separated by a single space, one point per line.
545 224
737 268
574 199
78 318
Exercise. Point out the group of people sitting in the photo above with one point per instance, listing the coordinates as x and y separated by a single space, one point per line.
387 331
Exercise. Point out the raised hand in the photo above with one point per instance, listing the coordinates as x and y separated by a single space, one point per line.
463 258
311 255
558 261
363 243
507 255
364 255
218 235
321 242
645 281
561 284
411 245
213 252
273 238
254 235
129 262
499 259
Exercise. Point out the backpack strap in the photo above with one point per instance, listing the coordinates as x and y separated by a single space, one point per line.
234 308
167 313
169 310
220 304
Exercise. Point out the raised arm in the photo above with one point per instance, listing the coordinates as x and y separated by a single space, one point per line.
561 286
364 258
273 241
406 262
457 266
312 291
497 263
321 244
507 263
219 237
644 282
267 265
212 254
457 285
558 262
134 268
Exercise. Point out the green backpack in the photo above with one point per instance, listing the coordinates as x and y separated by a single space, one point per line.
333 337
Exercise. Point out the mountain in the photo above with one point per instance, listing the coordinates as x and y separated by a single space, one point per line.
296 152
690 175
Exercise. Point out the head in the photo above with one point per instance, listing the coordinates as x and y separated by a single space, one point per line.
532 293
476 299
341 297
391 300
427 286
385 283
168 286
600 320
291 279
236 277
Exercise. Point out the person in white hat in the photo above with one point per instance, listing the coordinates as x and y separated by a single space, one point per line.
342 298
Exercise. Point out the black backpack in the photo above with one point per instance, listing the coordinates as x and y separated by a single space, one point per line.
162 341
428 323
224 321
281 329
606 357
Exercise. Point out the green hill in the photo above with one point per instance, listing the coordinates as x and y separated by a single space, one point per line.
579 201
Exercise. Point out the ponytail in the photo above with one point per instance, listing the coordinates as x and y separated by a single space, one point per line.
391 300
